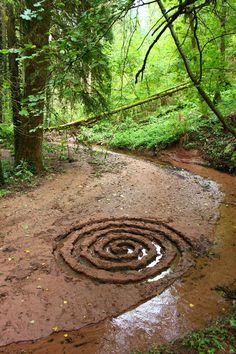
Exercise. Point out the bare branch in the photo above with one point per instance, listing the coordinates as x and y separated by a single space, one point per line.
217 37
143 4
168 21
198 44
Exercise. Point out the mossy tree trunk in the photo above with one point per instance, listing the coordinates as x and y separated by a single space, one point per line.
14 73
30 132
1 64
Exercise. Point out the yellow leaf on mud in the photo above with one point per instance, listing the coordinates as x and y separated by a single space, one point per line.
65 302
66 335
27 251
55 329
191 305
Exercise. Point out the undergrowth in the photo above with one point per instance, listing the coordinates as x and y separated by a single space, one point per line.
129 133
217 145
156 132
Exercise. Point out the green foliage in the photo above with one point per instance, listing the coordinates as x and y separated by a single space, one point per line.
156 349
80 68
220 337
217 145
95 51
21 174
127 56
4 192
154 135
162 126
59 151
6 134
151 131
35 13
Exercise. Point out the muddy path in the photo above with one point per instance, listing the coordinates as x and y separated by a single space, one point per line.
114 254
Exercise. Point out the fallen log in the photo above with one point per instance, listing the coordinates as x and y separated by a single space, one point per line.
94 119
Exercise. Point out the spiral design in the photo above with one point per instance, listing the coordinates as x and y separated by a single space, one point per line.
126 250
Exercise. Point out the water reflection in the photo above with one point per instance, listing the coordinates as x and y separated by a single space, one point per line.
149 318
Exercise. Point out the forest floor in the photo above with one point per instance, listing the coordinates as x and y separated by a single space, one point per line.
51 288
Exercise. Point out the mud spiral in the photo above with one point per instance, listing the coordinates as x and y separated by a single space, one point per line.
125 250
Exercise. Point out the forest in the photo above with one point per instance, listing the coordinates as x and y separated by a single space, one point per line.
55 77
86 88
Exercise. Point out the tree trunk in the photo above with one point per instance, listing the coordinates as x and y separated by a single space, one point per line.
1 65
221 78
1 175
35 75
1 172
14 75
193 39
194 78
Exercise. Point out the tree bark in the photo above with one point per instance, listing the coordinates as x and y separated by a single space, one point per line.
1 64
14 74
1 87
1 174
35 75
221 77
194 78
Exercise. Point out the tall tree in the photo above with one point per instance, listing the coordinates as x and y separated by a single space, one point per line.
13 42
1 172
221 15
78 67
2 20
1 61
35 29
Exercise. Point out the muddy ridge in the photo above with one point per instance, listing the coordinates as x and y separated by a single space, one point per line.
127 250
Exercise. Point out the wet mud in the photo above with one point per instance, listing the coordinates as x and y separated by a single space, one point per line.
115 255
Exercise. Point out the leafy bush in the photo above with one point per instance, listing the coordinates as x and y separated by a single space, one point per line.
217 145
154 132
6 134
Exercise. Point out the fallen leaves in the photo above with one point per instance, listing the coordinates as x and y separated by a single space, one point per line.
56 329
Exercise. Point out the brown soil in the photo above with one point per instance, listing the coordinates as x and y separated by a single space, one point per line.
50 281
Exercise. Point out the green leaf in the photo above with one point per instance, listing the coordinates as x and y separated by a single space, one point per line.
24 112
